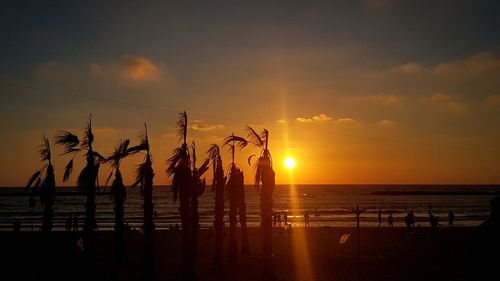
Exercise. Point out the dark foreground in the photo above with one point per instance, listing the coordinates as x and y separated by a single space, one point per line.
386 254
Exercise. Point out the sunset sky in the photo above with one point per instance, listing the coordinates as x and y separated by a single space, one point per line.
374 91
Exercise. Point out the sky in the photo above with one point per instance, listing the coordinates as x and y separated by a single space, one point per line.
358 92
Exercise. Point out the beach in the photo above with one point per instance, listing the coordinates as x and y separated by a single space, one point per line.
299 254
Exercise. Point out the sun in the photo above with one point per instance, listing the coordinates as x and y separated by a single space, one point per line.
289 163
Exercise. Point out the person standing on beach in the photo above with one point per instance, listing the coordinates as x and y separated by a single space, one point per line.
451 218
379 217
390 220
285 218
306 218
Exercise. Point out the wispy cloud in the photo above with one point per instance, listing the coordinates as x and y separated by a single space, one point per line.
346 121
386 123
316 118
446 101
201 126
129 67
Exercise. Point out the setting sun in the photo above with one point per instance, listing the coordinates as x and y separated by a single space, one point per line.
289 163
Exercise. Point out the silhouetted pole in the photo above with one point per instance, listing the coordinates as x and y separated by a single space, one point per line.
358 213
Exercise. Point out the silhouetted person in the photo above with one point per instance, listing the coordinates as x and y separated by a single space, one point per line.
451 218
275 219
279 219
176 228
433 220
390 220
306 218
408 219
379 217
285 218
316 212
16 227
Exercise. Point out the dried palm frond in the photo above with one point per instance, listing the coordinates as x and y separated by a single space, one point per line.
193 155
181 126
109 178
203 168
98 157
69 141
88 136
174 160
214 154
68 170
236 140
254 137
45 150
33 179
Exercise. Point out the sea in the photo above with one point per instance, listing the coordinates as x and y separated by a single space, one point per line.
328 205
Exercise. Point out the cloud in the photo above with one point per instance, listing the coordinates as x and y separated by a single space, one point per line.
446 102
386 123
493 100
346 121
139 69
316 118
131 68
281 121
201 126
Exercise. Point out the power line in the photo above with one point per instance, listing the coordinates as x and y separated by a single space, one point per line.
156 107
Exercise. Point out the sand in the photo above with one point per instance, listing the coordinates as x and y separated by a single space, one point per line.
302 254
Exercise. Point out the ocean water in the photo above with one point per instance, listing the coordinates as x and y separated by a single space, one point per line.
329 205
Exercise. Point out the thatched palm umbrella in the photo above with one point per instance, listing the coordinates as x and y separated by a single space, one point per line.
46 187
87 180
218 183
198 189
119 195
144 178
265 183
179 168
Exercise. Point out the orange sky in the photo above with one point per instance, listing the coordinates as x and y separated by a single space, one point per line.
352 92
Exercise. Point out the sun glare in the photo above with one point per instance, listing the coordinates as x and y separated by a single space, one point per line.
289 163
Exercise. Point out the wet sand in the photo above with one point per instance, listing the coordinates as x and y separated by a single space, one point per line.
302 254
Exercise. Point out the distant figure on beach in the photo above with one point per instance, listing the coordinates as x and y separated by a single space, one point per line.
279 219
379 217
75 222
433 221
390 220
408 219
275 219
285 218
68 223
451 218
316 212
16 227
176 228
306 218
